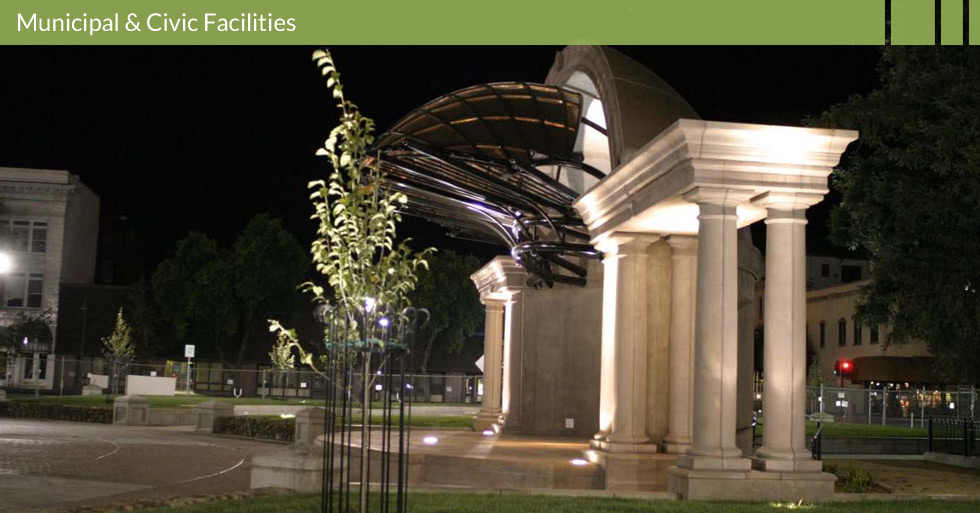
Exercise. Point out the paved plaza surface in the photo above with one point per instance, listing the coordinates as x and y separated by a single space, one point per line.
46 464
917 477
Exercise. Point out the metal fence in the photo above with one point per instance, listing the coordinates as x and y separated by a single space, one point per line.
67 376
954 436
894 406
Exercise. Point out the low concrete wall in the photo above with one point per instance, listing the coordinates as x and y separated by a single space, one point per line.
150 385
171 417
953 459
102 380
869 445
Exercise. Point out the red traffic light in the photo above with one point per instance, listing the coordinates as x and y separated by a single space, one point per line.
843 367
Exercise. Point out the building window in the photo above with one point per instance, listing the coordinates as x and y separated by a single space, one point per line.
842 332
761 304
857 333
42 367
874 334
39 237
24 291
26 236
824 270
823 333
849 273
35 286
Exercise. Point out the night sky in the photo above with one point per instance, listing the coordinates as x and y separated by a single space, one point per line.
203 138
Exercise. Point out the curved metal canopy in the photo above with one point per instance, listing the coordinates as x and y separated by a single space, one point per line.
487 163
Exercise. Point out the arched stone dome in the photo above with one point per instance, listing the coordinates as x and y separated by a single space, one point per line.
637 104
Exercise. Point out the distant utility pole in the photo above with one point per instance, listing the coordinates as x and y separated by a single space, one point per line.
81 345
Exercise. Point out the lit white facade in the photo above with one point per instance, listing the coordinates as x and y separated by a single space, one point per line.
49 222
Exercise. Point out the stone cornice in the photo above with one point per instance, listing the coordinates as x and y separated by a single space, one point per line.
754 159
59 192
501 278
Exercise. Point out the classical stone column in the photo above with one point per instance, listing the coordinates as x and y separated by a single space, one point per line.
511 389
784 390
716 334
493 345
683 259
623 373
750 268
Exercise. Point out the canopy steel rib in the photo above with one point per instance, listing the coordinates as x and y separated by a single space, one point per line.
484 160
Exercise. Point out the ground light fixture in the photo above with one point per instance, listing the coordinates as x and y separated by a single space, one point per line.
579 462
430 440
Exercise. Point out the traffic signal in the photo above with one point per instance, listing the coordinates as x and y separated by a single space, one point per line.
843 368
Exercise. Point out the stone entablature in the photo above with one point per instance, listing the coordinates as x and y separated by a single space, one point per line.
646 193
500 278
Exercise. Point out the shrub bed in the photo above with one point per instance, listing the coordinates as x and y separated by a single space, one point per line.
265 428
34 410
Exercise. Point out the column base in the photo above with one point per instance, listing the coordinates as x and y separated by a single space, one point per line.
606 446
676 447
799 463
750 485
485 420
731 460
632 471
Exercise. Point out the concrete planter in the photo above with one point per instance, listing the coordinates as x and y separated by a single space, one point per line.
871 445
206 415
131 410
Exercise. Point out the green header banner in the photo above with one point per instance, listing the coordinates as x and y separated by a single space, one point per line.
334 22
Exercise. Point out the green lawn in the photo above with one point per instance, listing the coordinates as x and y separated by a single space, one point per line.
431 421
487 503
845 429
178 401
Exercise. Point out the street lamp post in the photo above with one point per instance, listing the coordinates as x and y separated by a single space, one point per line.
5 265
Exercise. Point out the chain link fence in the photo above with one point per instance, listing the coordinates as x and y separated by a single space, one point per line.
894 406
66 376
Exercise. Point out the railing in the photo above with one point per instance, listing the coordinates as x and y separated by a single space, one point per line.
954 436
755 422
816 444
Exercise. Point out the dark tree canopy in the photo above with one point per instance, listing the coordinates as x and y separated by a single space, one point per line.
911 197
452 300
220 299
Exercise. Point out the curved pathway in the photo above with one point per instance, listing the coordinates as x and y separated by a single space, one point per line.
51 464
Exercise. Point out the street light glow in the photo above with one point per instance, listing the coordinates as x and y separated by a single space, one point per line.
5 263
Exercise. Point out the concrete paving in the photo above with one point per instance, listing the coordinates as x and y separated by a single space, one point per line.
46 464
922 478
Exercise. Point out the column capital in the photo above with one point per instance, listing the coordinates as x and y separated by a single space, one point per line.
786 200
683 244
797 216
500 278
625 243
721 196
493 303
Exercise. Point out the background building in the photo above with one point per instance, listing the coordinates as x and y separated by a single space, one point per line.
833 335
833 289
49 226
824 271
